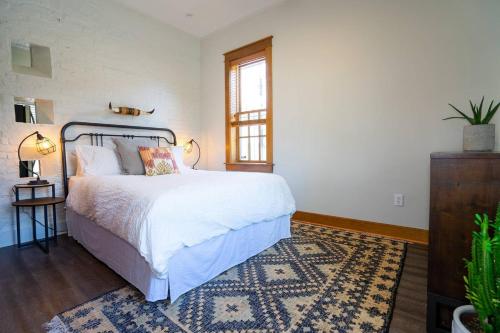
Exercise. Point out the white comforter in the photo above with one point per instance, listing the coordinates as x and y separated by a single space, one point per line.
159 215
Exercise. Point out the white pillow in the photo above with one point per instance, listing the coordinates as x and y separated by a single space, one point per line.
96 161
178 152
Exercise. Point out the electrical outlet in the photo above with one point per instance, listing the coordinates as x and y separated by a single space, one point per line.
399 200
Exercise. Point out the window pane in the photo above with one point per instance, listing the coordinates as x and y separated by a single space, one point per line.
253 86
254 116
263 150
244 117
254 149
262 129
254 130
244 149
244 131
263 114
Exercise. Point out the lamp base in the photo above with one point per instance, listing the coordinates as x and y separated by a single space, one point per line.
38 182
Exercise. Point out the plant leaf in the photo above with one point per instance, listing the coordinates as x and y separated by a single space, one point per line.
473 107
490 114
479 111
469 119
454 118
489 109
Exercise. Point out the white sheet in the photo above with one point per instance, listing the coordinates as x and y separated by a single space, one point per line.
189 267
159 215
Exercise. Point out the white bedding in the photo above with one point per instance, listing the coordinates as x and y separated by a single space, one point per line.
159 215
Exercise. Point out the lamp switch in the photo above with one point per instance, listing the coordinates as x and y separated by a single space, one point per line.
399 200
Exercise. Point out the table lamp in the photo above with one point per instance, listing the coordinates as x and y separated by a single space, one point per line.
188 148
44 146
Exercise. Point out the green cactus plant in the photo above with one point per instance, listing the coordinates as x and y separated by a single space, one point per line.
482 282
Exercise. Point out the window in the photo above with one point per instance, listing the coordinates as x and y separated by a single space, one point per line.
249 108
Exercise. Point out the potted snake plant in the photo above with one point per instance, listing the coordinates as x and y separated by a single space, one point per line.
482 282
480 134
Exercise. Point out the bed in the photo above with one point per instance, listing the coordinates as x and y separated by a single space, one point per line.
169 234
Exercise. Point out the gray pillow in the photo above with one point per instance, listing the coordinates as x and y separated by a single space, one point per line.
128 152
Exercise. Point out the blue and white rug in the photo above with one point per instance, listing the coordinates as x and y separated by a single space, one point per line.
320 280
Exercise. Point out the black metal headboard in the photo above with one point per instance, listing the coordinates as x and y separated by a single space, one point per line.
96 138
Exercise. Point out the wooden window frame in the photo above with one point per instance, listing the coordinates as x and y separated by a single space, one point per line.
262 48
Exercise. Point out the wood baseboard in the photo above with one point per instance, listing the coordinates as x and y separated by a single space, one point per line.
411 235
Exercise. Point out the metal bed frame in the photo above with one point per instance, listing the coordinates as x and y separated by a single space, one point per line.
96 139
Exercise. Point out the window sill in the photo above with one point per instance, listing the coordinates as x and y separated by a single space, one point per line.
250 167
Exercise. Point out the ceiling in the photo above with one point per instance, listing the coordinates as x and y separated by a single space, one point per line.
199 17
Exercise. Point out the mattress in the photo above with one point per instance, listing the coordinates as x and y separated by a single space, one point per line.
189 267
161 215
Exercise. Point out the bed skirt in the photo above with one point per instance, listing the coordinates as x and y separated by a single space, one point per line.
189 267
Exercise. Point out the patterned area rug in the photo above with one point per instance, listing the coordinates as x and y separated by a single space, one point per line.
320 280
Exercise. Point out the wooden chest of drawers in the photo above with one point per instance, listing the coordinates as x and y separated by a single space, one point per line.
462 184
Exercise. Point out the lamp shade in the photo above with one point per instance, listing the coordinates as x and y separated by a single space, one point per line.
44 145
30 153
188 146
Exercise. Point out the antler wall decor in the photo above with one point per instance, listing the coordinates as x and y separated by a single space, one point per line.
128 111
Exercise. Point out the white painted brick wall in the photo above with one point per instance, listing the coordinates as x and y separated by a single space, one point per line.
100 52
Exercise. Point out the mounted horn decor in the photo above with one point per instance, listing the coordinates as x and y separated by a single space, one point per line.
129 111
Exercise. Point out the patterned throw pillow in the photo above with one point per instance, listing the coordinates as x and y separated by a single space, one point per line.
158 161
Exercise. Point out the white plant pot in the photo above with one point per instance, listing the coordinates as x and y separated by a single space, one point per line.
479 137
457 326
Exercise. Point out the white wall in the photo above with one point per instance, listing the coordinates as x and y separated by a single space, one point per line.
100 52
360 88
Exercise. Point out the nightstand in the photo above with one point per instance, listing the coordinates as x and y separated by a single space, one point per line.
34 202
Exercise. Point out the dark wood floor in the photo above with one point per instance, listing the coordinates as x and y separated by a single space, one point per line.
35 286
411 301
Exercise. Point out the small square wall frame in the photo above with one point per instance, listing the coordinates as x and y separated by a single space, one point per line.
31 59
